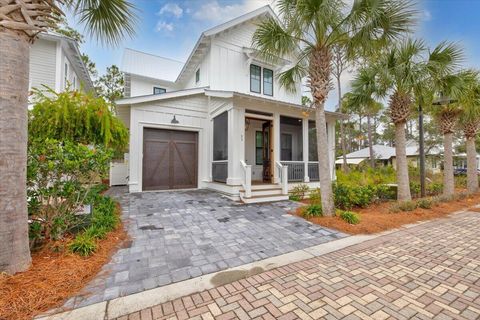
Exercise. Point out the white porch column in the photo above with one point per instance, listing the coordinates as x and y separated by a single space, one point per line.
276 146
306 178
236 145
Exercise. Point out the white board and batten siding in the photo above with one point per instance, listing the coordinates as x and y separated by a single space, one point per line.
192 115
43 61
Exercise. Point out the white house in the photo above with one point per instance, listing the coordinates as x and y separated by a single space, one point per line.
219 121
55 61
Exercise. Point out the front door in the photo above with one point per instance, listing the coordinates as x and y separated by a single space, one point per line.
267 163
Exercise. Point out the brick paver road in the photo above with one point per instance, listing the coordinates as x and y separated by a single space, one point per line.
429 271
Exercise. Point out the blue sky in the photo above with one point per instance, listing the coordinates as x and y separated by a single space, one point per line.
170 28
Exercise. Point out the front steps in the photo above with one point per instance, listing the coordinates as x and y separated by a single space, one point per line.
264 193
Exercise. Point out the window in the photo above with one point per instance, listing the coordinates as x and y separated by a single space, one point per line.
255 78
158 90
286 147
197 76
267 82
258 148
220 137
65 80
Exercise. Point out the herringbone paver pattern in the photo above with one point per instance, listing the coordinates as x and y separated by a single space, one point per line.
429 271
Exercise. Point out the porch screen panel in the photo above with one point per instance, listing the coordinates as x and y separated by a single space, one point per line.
220 148
220 137
312 141
291 144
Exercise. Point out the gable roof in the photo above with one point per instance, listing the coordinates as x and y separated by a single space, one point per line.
381 152
201 46
150 65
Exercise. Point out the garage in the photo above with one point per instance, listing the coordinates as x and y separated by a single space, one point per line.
170 159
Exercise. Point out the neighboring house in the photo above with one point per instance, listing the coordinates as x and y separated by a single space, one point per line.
55 62
385 155
219 121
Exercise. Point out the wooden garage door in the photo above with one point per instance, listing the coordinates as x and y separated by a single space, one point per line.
169 159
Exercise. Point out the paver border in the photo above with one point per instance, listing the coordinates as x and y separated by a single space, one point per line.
120 306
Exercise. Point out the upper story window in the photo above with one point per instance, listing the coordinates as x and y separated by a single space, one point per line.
255 78
197 76
158 90
267 82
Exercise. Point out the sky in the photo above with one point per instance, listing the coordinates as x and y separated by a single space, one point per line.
171 28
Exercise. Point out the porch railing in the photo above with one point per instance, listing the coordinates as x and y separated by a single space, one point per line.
220 170
296 170
313 171
247 180
283 176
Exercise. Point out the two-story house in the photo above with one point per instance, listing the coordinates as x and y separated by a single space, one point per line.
56 62
220 120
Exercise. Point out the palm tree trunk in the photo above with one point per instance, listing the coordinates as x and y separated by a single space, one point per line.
403 192
14 72
448 179
370 142
323 151
472 175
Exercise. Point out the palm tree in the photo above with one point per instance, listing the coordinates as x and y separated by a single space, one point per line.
20 23
364 87
470 123
309 31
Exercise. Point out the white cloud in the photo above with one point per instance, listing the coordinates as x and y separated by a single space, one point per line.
171 8
217 13
427 15
163 26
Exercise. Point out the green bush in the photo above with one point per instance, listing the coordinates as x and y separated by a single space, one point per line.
97 232
315 196
425 203
367 176
299 191
415 189
434 188
104 214
313 210
461 181
294 198
386 192
347 197
350 217
403 206
83 244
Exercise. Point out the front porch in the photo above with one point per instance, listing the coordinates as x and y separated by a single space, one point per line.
258 156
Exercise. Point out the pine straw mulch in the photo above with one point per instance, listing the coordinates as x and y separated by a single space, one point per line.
377 218
53 278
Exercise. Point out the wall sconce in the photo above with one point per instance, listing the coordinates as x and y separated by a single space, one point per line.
174 120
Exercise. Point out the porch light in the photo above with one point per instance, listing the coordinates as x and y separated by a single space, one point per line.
174 120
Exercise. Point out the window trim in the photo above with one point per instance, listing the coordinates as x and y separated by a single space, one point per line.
197 76
260 80
263 81
164 90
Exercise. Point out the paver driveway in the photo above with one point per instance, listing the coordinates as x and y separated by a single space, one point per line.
184 234
429 271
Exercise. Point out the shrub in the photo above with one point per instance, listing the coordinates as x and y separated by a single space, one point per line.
294 198
313 210
461 181
83 244
405 206
425 203
59 181
104 214
315 196
97 232
415 189
347 197
435 188
350 217
299 191
385 192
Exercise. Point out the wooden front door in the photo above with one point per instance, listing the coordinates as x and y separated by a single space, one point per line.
267 163
169 159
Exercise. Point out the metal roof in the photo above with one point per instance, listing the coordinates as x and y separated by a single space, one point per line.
150 66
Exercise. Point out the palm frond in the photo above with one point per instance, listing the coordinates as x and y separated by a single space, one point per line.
292 76
109 21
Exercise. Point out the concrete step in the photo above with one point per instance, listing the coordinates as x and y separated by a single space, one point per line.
265 192
263 198
266 186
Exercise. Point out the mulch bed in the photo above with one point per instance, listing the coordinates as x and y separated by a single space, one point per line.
53 278
377 218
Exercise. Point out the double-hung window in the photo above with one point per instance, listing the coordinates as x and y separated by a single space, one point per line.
267 82
257 74
255 78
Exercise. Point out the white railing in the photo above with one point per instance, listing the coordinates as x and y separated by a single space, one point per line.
247 181
283 176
